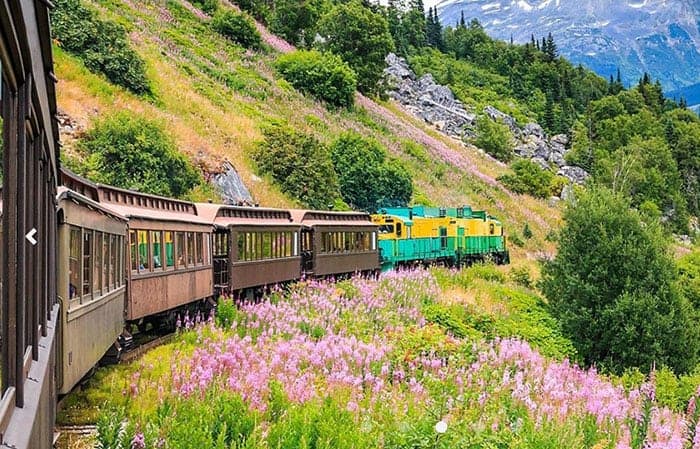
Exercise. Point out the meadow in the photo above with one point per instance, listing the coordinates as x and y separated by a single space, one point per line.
415 359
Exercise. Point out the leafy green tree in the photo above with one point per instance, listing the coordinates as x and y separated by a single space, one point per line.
682 130
361 37
101 45
582 152
530 178
613 288
644 170
299 164
295 20
132 152
238 27
494 138
368 180
323 75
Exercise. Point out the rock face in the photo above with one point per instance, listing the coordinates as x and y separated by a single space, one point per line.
434 103
437 105
231 187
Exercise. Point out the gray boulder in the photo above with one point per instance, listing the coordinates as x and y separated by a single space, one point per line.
577 175
231 186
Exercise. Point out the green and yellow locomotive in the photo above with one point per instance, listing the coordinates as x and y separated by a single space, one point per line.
429 235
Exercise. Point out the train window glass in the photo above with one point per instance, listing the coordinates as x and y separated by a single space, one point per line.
374 241
133 251
121 261
206 240
105 262
258 245
241 245
87 265
491 229
113 262
267 245
200 248
157 249
398 229
246 251
296 243
180 246
275 236
169 249
97 265
74 263
287 242
190 249
144 261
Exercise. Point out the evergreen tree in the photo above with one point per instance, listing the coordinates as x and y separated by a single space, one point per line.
462 22
434 30
550 48
413 23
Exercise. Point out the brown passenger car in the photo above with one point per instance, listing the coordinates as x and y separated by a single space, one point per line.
91 285
335 243
253 246
168 255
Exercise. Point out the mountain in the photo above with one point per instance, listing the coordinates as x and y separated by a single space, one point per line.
661 37
690 93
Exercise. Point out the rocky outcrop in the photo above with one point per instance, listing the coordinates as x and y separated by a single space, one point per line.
432 102
231 187
437 105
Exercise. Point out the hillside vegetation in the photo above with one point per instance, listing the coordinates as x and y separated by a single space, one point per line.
215 98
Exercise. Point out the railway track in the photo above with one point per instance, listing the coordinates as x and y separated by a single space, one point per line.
142 346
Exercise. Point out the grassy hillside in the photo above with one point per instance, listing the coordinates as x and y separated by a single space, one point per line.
213 98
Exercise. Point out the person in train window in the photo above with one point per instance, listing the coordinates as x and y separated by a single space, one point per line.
156 261
72 290
141 264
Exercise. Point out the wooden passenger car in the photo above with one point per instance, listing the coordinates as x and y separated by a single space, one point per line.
169 252
91 285
30 154
336 243
253 246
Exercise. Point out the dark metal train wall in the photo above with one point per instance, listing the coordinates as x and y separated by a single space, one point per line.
28 306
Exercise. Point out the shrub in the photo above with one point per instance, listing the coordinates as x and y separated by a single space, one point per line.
237 27
225 312
527 232
135 153
521 276
528 177
100 44
299 164
323 75
494 138
208 6
367 179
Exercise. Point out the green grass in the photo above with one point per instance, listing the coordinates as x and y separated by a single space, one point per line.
215 97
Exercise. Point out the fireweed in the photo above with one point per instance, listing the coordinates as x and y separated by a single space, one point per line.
361 345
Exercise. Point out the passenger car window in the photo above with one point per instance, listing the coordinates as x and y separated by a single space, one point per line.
74 263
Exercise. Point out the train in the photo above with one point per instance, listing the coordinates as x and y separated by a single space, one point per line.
82 265
451 236
128 259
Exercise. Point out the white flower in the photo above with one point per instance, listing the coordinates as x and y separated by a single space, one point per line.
441 427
